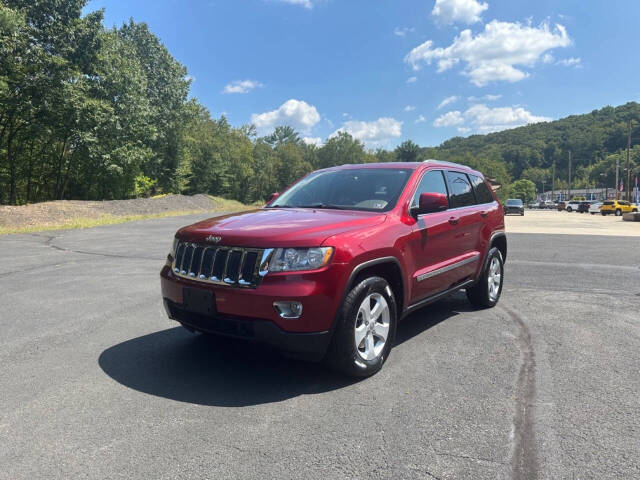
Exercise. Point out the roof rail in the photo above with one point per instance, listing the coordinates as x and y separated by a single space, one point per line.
441 162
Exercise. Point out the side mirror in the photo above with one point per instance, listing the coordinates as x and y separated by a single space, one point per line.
272 197
430 203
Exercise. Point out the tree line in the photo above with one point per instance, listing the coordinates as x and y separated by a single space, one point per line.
88 112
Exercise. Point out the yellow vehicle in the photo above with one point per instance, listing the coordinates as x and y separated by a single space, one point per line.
617 207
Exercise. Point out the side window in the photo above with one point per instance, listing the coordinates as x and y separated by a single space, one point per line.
461 192
483 195
431 182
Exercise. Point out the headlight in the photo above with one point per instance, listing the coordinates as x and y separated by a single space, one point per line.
293 259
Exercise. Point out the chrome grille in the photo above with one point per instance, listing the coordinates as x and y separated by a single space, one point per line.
231 266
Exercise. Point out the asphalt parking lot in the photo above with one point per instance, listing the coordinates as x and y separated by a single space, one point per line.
96 382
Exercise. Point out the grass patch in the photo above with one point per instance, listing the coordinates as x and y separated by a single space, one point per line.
95 222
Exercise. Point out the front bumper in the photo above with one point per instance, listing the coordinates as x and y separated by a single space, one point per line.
249 312
518 210
311 346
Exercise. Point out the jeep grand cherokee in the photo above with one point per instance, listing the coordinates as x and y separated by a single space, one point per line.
327 269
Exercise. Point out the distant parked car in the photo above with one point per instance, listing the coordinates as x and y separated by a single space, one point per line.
547 205
617 207
534 205
560 206
595 208
514 205
572 206
584 207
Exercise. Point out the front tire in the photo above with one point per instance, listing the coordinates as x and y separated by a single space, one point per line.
365 329
618 212
569 209
486 292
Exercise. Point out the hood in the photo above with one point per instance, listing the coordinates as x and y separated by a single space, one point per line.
280 227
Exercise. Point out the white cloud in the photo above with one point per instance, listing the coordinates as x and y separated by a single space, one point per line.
493 54
548 58
449 119
420 119
377 132
570 62
483 119
317 141
402 32
412 79
465 11
486 98
447 101
295 113
241 86
409 108
304 3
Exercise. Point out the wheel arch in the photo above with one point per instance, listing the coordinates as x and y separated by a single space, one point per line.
388 268
499 240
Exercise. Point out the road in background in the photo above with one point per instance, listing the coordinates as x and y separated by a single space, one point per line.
96 382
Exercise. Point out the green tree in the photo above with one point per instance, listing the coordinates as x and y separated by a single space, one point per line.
340 149
407 152
525 190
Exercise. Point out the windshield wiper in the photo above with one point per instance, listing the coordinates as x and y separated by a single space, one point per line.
324 205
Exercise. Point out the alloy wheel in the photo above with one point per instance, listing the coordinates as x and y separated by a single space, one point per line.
372 326
494 279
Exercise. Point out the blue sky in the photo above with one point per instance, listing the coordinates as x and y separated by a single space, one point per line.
391 70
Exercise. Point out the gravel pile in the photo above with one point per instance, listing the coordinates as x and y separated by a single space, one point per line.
62 211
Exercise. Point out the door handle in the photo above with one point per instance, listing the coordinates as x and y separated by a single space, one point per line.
484 213
454 220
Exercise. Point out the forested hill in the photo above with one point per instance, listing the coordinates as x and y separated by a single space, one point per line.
595 141
93 113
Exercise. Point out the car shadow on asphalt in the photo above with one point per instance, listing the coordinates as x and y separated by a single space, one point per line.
225 372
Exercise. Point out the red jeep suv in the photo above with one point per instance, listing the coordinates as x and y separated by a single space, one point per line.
328 268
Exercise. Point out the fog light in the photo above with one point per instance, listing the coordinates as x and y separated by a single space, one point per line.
288 309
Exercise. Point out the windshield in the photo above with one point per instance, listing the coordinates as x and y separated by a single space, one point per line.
369 189
514 202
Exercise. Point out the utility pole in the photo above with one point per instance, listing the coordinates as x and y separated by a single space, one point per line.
553 180
569 195
617 177
629 164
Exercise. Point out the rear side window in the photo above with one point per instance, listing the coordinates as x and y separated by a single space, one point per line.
460 191
431 182
483 195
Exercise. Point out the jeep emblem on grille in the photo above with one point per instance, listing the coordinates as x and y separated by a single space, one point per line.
213 239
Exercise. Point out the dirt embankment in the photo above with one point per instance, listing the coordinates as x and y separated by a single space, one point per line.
65 212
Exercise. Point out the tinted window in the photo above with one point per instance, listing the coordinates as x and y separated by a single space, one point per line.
461 193
431 182
483 195
515 202
372 189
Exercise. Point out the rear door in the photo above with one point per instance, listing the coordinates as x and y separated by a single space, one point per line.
467 217
432 246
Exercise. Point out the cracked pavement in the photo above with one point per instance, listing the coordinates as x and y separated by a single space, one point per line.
96 382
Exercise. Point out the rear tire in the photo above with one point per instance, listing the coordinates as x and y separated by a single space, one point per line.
359 347
486 292
618 212
569 209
